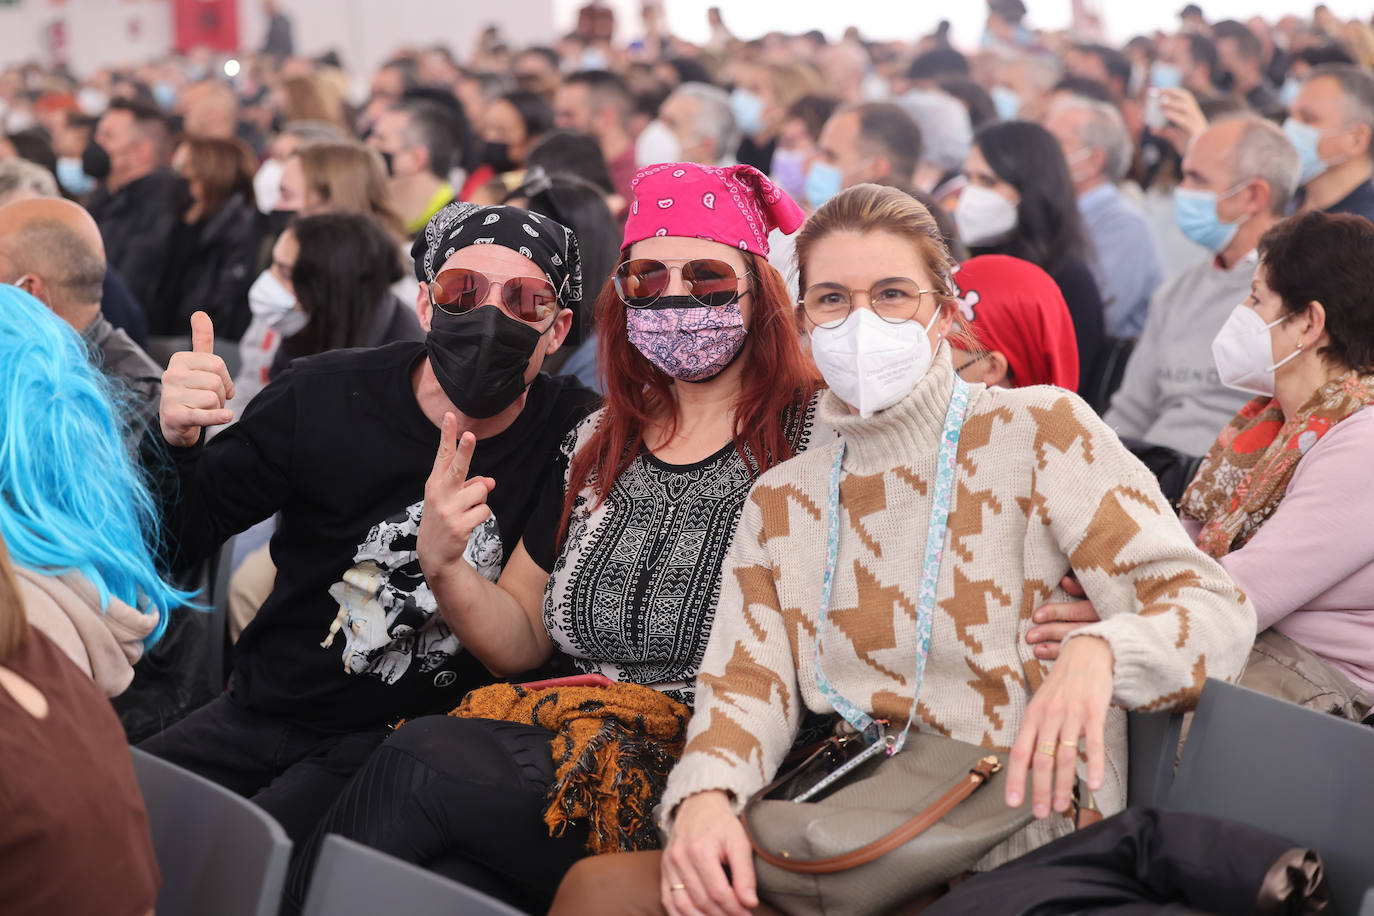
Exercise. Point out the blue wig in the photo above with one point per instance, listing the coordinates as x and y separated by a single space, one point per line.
71 498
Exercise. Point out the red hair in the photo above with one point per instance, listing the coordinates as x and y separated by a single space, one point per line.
776 375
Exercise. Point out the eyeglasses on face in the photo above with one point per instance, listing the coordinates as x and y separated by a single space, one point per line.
895 300
460 289
641 282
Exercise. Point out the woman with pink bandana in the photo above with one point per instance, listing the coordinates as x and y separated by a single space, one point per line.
705 388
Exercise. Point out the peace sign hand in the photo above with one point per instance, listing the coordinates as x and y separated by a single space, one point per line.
455 504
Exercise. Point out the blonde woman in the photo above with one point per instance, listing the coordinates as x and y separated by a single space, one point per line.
832 550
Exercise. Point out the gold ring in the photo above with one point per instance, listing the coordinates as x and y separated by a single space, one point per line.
1072 744
1046 748
677 887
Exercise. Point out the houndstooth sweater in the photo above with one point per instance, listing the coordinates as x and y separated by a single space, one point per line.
1042 487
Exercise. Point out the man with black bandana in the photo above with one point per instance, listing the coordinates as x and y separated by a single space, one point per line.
342 445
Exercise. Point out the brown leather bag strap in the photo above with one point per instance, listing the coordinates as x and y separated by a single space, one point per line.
979 774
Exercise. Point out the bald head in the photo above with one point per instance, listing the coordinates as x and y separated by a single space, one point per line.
52 248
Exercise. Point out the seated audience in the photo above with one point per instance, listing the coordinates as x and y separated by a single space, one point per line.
74 509
1020 201
1022 330
511 126
1281 494
695 123
1125 256
134 205
797 139
760 101
1238 178
51 248
1241 57
1332 127
598 103
341 445
75 834
946 135
1041 448
415 139
267 180
706 387
212 254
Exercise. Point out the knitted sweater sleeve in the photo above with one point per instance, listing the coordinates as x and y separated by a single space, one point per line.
1170 613
747 706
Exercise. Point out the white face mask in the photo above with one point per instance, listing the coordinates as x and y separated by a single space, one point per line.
268 298
1244 352
267 184
870 363
983 216
657 143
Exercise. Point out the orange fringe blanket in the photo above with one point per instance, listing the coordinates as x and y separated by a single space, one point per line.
612 753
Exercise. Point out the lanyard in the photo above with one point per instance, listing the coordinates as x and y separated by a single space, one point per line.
860 721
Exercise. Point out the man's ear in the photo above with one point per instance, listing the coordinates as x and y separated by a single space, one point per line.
559 332
35 287
423 310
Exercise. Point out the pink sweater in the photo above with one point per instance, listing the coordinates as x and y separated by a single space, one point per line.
1309 570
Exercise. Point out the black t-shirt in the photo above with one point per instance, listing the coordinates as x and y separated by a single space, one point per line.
339 446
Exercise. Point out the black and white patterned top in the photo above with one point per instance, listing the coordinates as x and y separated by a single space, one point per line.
633 591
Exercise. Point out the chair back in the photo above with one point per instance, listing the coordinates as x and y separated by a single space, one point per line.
351 879
1152 738
1296 773
220 854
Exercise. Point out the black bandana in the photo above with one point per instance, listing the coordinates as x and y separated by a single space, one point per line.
547 243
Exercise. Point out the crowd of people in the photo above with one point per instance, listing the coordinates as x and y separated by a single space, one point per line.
720 386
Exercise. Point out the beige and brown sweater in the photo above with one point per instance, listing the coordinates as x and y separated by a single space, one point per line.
1042 487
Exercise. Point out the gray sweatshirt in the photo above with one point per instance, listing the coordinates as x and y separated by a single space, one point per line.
1171 394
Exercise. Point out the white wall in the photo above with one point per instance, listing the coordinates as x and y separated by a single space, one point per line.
365 32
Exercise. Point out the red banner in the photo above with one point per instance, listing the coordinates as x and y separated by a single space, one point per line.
209 23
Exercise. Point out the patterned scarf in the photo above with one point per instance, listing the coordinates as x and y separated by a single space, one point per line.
1245 474
614 748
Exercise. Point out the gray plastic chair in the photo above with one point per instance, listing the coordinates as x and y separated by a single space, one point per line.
1153 742
353 880
220 854
1296 773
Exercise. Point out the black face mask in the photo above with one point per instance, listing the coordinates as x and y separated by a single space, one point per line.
278 220
480 358
95 162
497 155
181 199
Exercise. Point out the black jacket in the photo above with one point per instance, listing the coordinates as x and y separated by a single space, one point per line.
135 223
210 266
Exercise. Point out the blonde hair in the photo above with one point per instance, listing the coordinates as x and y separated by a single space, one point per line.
347 177
308 98
1358 41
875 208
14 623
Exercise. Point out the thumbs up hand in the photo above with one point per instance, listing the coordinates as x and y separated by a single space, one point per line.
195 387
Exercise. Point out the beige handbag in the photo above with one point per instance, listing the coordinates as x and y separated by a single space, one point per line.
897 827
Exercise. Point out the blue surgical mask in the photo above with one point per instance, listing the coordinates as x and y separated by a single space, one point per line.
165 94
823 181
1165 76
1288 93
72 178
748 111
1007 103
1196 214
1305 138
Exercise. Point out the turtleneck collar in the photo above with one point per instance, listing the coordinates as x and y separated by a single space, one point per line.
898 435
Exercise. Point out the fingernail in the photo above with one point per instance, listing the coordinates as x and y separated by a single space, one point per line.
1095 783
1014 800
1038 617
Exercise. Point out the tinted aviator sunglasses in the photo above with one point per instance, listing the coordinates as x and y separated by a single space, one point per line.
459 290
641 282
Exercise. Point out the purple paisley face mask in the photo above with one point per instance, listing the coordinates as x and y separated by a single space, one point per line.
686 340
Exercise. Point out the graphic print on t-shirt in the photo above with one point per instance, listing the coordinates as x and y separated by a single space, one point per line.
387 613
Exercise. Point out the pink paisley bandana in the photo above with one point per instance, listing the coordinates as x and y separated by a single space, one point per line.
690 344
736 206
